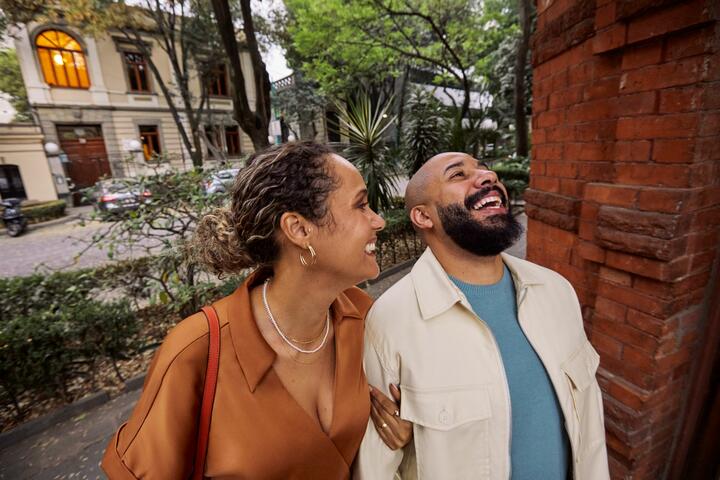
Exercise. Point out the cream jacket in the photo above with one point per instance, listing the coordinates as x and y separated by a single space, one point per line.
423 334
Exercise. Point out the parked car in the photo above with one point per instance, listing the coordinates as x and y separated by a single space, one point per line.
117 195
220 181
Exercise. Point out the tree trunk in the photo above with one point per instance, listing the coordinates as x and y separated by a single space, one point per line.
401 105
255 122
521 133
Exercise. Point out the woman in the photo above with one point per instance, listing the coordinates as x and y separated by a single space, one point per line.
291 398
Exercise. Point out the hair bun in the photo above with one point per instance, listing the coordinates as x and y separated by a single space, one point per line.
216 245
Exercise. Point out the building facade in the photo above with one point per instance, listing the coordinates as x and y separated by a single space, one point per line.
98 100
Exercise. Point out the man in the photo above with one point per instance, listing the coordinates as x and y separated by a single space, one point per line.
495 369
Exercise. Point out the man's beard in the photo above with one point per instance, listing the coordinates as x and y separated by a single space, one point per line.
484 238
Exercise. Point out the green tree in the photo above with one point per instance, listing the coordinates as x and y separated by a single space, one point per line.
11 83
300 103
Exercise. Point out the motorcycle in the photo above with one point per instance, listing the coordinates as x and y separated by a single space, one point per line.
14 220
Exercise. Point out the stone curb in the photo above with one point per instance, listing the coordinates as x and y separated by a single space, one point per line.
93 400
67 412
49 223
39 424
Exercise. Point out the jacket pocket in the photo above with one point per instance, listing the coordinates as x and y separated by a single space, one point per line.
451 430
580 370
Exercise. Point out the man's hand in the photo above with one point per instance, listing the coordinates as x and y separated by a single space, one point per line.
385 414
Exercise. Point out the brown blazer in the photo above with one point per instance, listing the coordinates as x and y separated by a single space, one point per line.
257 431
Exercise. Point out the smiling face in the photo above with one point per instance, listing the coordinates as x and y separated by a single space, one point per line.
346 243
456 196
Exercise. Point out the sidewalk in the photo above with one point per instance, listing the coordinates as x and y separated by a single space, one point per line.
73 448
71 214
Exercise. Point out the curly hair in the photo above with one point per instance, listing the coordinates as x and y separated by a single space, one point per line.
290 177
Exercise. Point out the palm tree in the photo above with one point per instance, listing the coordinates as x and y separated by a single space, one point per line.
365 127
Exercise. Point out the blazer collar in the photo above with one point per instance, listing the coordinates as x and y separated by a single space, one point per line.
255 356
436 293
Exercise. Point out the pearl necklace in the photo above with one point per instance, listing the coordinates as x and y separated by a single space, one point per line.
282 335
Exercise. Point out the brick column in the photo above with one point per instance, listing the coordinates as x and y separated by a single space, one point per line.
624 198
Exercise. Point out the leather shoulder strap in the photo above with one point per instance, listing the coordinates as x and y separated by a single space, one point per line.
208 397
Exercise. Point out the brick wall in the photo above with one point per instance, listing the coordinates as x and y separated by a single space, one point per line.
624 198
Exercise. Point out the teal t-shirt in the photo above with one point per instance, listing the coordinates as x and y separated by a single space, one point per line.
539 444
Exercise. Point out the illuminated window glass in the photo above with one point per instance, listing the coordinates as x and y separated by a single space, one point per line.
150 138
62 60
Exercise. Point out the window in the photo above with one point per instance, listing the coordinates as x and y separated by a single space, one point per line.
137 72
62 60
232 141
217 81
150 138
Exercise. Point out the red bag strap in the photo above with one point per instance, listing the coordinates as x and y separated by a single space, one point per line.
208 397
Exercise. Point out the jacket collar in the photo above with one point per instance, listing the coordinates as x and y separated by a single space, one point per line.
252 351
436 293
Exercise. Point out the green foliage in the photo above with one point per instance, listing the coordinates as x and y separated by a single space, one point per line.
41 212
423 129
11 83
514 173
365 126
43 350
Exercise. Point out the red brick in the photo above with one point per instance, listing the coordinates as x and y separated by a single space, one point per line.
604 15
652 325
710 125
539 136
673 151
589 212
668 19
592 110
547 184
559 80
642 55
607 64
580 74
702 261
540 105
646 267
595 171
627 394
652 175
663 200
607 87
596 131
561 169
672 74
641 103
609 309
707 149
677 100
565 97
689 43
638 359
548 119
626 334
590 251
659 225
616 276
699 242
607 194
560 133
627 296
703 173
679 125
605 345
571 187
548 152
633 151
609 39
588 151
639 244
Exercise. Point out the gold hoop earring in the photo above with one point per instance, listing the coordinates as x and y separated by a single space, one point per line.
313 257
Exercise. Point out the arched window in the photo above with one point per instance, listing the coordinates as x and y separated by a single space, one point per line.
62 60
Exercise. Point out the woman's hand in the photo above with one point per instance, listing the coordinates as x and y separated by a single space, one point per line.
385 414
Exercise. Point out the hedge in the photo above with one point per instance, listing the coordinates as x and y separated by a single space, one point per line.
42 211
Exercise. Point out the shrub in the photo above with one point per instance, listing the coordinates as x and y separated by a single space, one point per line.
42 212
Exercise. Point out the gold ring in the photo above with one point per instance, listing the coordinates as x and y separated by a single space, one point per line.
384 425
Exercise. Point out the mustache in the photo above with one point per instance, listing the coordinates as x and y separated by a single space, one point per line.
475 197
